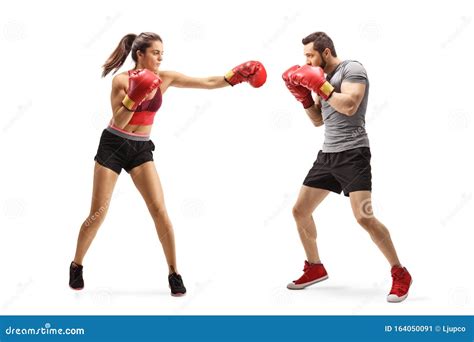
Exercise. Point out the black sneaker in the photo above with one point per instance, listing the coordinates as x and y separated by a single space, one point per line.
75 277
176 285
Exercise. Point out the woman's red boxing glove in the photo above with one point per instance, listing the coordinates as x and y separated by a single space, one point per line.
252 72
140 83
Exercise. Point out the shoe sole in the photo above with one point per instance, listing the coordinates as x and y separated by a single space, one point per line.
178 294
396 299
293 286
76 288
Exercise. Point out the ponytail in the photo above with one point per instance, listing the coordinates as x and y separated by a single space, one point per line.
118 57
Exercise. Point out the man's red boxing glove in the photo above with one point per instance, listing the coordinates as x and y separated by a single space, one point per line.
313 78
252 72
140 83
301 93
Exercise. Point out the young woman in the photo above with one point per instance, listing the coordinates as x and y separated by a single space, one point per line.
125 143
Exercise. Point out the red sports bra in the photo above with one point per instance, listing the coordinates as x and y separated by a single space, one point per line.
145 112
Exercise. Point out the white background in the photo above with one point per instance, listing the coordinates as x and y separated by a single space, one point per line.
232 160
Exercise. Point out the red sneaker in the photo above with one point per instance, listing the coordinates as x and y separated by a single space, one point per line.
400 286
313 273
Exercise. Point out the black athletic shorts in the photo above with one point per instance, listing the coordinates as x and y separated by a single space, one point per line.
346 171
116 152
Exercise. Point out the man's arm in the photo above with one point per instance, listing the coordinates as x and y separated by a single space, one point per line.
314 113
352 88
303 95
348 100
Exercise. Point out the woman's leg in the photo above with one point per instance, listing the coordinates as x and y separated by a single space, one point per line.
147 181
104 183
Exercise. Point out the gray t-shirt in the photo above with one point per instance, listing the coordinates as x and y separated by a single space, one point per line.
345 132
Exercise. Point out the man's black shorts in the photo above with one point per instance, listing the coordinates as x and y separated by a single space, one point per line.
115 152
346 171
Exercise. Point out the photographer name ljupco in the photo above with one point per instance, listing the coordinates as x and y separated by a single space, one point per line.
425 328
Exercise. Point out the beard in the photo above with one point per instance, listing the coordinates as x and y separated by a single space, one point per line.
323 62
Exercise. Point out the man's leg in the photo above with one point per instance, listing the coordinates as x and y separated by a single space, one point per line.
308 200
361 203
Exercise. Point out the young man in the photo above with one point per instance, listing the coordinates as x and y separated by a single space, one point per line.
344 162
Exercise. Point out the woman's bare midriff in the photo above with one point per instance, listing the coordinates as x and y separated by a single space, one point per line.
138 129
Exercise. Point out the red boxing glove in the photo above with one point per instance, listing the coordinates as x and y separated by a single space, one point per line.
301 93
252 72
140 83
313 79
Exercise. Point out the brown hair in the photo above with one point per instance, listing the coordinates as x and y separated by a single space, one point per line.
130 42
320 41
